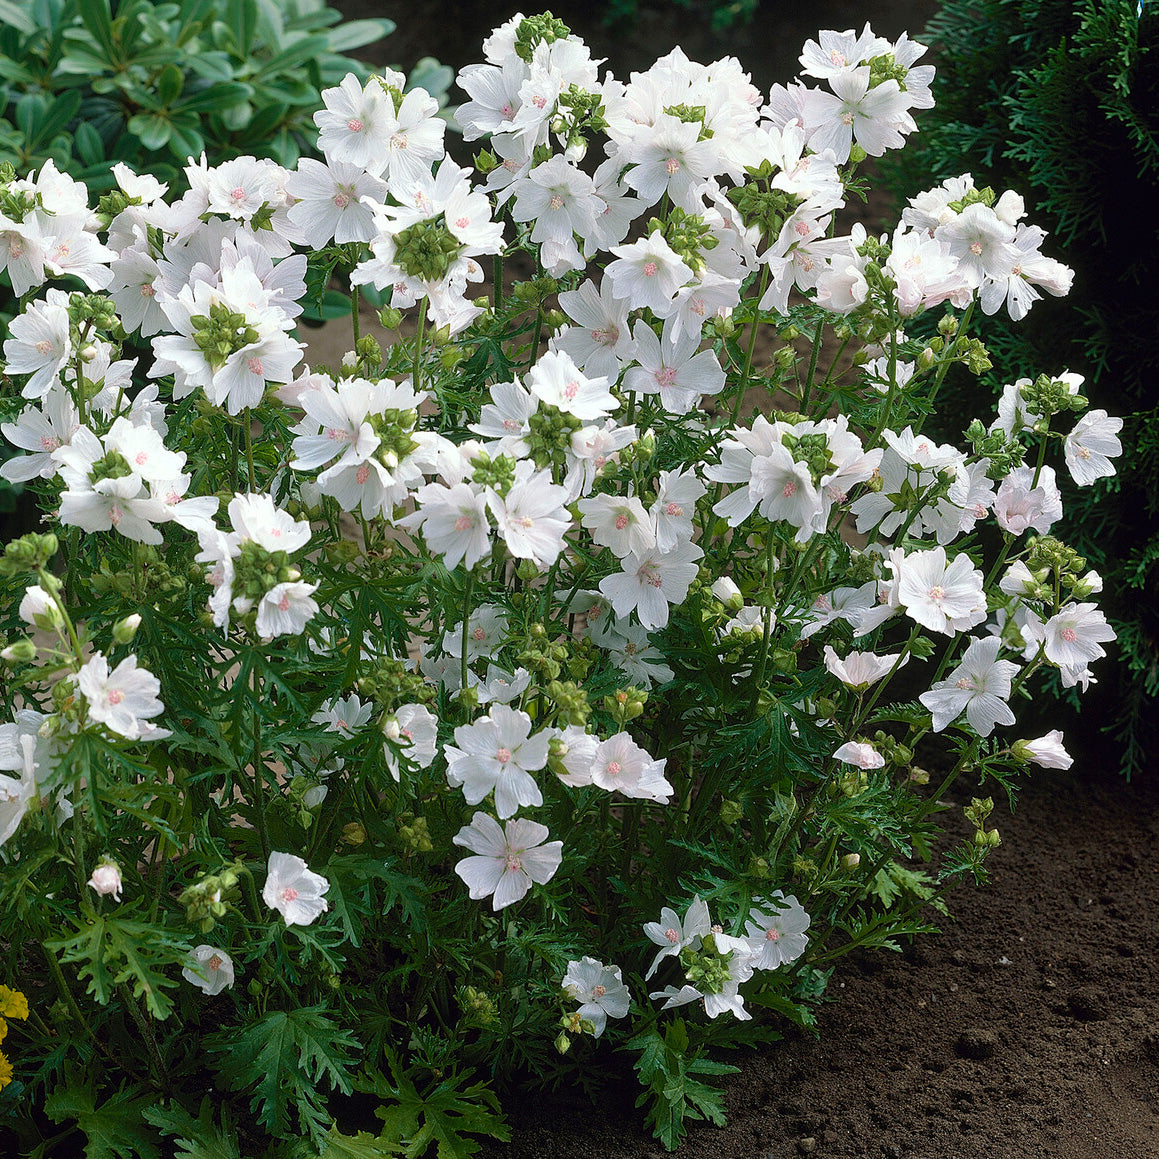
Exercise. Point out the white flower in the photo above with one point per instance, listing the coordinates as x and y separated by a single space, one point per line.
647 274
1074 636
507 860
286 609
106 879
293 890
673 935
497 753
414 730
621 764
670 367
619 523
861 754
555 379
39 344
946 598
122 700
650 582
209 969
532 516
1091 445
330 206
776 938
1019 506
343 716
600 989
1046 751
861 669
17 795
980 686
453 521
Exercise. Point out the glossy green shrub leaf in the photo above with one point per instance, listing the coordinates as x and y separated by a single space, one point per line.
357 33
152 131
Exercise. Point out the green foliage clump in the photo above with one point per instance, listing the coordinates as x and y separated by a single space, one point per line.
1060 98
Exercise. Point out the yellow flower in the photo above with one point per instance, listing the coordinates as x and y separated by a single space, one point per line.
13 1004
5 1071
3 1030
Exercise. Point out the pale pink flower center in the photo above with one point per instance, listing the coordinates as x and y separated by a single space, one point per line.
847 118
284 603
513 862
44 346
463 523
649 269
1069 635
539 101
976 249
672 936
1082 452
650 574
502 755
115 696
50 442
354 125
556 201
479 634
289 894
571 390
62 250
462 222
214 963
937 593
772 935
606 337
674 509
362 474
238 194
148 292
142 457
837 58
341 200
966 683
399 141
622 521
671 166
802 228
666 376
599 991
615 768
507 110
255 366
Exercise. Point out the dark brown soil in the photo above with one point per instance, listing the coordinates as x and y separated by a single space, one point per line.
1028 1029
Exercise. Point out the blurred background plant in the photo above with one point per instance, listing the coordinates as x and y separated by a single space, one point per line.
1060 98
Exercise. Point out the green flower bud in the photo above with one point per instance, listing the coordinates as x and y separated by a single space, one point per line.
124 630
23 651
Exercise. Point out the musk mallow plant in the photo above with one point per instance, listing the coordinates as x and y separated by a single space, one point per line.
561 677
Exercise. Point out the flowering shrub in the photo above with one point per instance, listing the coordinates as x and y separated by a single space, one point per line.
419 726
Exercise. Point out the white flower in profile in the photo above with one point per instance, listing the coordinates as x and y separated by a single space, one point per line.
508 859
944 597
17 795
1091 445
978 686
651 582
122 700
676 496
861 669
776 931
256 518
1047 751
294 890
40 431
497 753
600 989
412 730
621 765
861 754
672 934
209 969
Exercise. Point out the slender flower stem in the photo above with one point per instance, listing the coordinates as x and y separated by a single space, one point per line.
417 373
355 320
247 426
770 545
466 625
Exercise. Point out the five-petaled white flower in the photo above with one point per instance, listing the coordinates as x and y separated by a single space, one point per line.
507 859
209 969
294 890
600 989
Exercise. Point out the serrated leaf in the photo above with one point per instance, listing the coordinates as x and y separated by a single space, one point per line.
360 1146
199 1138
112 1130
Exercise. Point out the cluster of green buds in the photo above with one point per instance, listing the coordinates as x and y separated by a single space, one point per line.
1048 396
812 450
984 196
688 234
971 352
395 430
625 704
29 553
498 473
542 656
852 782
760 205
390 685
549 438
153 574
707 967
886 67
1049 557
892 749
477 1007
692 115
573 1025
426 249
220 333
579 114
393 91
15 204
257 570
208 899
976 812
570 701
414 834
1001 451
543 28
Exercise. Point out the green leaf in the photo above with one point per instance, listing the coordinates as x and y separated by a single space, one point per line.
199 1138
98 19
355 33
151 130
88 144
170 83
241 17
16 16
216 97
444 1116
111 950
360 1146
284 1058
113 1130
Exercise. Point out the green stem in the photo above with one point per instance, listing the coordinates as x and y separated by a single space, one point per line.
497 277
417 373
768 625
247 429
466 624
355 320
944 365
146 1031
816 354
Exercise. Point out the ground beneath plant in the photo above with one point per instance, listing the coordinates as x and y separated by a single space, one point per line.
1027 1029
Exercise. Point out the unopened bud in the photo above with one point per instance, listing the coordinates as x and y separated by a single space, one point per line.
106 878
563 1043
124 630
354 833
22 652
850 862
